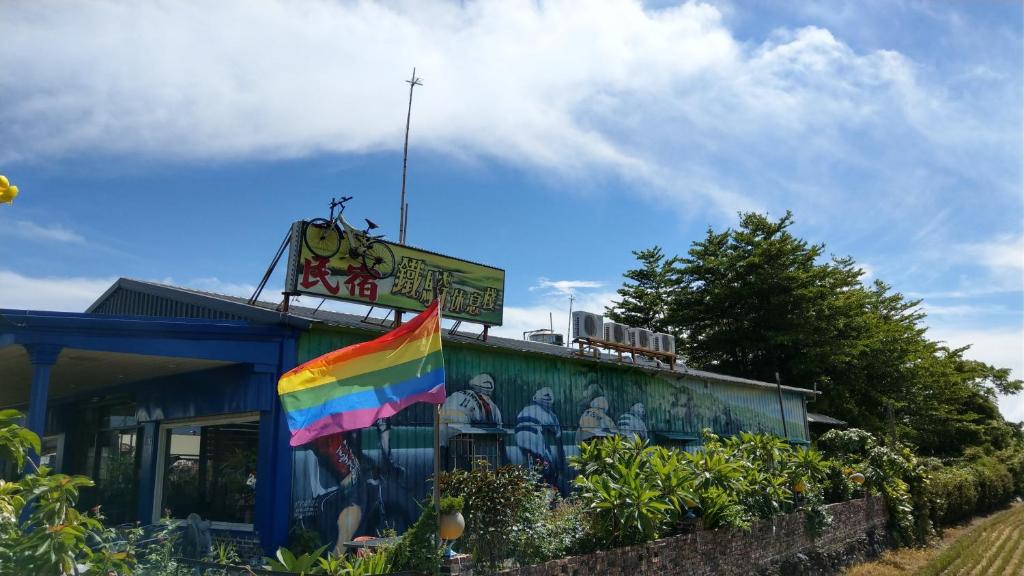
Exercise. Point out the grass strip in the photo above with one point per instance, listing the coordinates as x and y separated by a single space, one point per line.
956 553
983 546
998 548
1017 538
1018 564
966 549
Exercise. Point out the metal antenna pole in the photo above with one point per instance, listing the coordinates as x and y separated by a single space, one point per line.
568 336
413 83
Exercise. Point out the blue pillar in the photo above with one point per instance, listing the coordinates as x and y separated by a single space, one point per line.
43 357
263 378
147 471
274 467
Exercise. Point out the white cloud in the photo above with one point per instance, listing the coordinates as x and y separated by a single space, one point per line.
36 232
996 266
1001 347
65 294
868 272
565 86
565 287
1002 256
216 285
535 315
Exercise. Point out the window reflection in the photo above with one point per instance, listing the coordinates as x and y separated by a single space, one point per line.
211 470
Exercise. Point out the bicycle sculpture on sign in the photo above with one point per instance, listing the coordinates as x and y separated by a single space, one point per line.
327 238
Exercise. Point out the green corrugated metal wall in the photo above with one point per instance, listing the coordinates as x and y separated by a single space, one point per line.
670 404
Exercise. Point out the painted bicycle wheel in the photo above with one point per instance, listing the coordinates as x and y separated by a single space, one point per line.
322 237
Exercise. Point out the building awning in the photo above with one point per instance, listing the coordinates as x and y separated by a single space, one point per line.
813 418
477 429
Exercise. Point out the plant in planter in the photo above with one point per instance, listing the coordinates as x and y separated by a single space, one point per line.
451 524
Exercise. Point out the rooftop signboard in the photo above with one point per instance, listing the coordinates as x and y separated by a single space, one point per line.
380 273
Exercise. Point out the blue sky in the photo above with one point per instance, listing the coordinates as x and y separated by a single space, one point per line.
175 141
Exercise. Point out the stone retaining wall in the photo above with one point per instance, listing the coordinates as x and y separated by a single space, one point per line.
777 546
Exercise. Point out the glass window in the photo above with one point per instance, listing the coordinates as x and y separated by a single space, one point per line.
53 452
468 451
104 447
210 469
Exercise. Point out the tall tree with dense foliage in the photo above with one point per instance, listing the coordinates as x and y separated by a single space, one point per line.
644 300
757 301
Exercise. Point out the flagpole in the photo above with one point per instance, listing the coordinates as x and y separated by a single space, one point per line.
437 433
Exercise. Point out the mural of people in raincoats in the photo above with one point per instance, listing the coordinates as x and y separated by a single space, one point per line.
633 422
537 430
473 406
595 421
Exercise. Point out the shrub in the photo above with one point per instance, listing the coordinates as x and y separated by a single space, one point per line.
955 489
450 505
377 562
635 492
559 529
41 531
1014 460
995 485
893 471
285 561
419 550
504 510
302 540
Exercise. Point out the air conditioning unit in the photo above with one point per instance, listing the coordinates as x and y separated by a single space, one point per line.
616 333
641 339
665 343
587 325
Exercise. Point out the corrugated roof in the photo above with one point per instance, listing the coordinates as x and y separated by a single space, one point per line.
304 317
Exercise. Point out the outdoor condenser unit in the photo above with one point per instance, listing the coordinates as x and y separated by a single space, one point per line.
641 339
587 325
616 333
665 343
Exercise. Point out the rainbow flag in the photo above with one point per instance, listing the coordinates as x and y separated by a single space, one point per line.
350 388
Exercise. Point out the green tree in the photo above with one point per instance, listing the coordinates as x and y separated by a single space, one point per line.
645 299
757 301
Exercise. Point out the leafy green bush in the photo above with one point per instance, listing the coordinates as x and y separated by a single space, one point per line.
303 564
377 562
41 531
1014 460
419 549
893 471
636 492
451 504
955 489
995 484
302 539
507 515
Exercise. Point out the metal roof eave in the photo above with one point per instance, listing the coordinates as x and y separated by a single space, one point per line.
304 318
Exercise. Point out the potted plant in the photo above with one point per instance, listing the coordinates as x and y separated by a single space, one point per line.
451 523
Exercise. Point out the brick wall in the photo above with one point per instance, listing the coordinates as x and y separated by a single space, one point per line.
780 545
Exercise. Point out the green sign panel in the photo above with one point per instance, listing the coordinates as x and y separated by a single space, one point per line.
353 267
